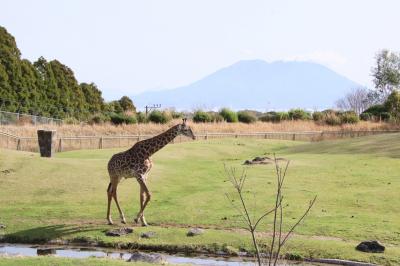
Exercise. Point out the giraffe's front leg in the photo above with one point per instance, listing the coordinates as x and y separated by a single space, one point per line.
109 197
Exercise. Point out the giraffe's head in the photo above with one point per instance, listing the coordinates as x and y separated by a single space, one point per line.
185 130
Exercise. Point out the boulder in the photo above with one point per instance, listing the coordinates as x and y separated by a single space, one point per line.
147 257
195 232
148 234
119 231
371 246
45 251
58 242
258 160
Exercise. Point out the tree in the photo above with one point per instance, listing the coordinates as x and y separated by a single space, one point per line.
94 100
47 88
127 104
386 73
357 100
10 71
392 104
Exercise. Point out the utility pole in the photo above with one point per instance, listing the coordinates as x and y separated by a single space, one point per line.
149 108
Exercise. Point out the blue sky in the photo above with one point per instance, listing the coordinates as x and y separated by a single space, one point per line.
127 47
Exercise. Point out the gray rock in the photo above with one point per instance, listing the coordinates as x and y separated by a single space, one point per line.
58 242
45 251
371 246
149 258
148 235
7 171
195 232
119 231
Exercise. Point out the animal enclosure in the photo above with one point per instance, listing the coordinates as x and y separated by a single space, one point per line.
9 141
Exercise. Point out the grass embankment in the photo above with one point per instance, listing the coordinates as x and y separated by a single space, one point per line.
356 182
223 127
54 261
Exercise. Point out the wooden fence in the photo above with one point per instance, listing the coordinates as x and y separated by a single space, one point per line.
9 141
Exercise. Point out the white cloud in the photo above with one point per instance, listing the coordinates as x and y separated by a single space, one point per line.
247 52
328 58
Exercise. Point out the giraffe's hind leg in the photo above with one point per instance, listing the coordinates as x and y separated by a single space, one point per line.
144 199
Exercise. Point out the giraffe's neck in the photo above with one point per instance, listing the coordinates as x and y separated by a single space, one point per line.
149 146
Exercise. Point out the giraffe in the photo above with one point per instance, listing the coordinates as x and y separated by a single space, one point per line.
136 163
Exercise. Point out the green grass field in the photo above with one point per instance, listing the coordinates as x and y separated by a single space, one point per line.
356 180
54 261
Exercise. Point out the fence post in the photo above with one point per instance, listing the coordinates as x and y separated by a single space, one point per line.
294 136
47 143
101 143
60 147
206 136
18 144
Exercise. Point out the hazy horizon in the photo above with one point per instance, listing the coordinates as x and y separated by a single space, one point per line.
127 47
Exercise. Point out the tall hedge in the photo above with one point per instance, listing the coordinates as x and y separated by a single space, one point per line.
47 88
229 115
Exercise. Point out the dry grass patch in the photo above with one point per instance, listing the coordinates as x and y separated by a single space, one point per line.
150 129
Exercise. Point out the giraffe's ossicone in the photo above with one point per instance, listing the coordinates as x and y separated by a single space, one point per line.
136 163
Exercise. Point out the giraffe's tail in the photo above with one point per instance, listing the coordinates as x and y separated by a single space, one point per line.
109 187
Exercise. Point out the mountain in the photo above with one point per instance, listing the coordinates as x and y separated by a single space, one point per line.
256 84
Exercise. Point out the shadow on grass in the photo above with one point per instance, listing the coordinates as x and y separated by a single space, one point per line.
43 234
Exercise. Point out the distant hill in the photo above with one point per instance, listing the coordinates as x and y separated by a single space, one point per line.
256 84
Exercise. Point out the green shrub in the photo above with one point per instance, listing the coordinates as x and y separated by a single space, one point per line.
159 117
229 115
318 116
274 117
216 117
141 117
376 113
365 116
376 110
299 114
98 119
118 119
268 117
246 117
201 117
392 105
175 114
283 116
332 119
349 117
71 121
386 116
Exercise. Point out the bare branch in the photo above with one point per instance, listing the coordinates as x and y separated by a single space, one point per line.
299 221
